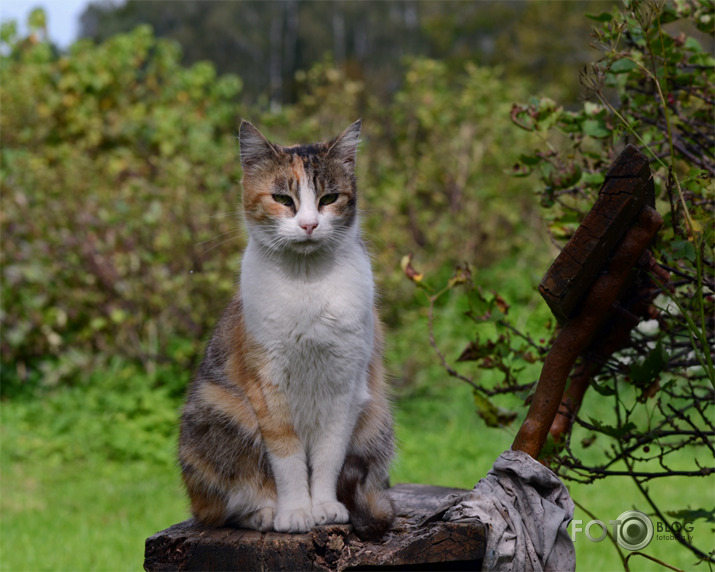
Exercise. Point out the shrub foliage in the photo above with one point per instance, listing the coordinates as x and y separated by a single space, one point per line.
121 204
115 164
654 86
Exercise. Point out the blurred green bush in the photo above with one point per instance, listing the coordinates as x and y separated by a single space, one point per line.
115 164
120 196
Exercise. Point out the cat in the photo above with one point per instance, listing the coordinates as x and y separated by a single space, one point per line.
287 423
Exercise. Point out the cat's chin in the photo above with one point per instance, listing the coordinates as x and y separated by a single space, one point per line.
310 246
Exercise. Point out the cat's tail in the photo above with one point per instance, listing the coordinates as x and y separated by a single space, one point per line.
364 495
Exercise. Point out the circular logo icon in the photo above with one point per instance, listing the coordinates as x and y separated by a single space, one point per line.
635 530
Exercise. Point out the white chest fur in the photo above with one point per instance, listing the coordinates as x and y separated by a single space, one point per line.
315 320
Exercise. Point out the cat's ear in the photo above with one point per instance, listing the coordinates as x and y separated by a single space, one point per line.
255 148
344 146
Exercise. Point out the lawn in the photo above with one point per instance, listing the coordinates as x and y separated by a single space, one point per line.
94 514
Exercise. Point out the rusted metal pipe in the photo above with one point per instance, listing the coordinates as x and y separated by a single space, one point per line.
614 336
577 333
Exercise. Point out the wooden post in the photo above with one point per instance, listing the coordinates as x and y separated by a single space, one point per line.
627 188
413 544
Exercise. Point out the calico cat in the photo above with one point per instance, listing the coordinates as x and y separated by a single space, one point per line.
287 423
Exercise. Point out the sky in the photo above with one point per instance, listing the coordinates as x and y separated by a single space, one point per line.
62 16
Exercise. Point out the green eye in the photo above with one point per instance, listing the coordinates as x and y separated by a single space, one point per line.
283 200
328 199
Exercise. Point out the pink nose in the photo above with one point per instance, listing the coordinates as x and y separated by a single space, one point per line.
309 227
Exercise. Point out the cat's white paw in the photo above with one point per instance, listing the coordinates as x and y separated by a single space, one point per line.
330 512
296 520
262 519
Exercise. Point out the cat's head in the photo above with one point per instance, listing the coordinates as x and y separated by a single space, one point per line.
303 198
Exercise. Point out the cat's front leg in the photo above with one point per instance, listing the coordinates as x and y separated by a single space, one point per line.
288 461
326 460
294 511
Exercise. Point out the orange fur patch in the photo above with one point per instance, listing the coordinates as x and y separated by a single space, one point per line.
269 404
298 169
257 201
206 507
229 404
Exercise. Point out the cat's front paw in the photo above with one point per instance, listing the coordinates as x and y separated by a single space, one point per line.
330 512
296 520
261 520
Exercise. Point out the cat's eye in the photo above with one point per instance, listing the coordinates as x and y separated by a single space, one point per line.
285 200
328 199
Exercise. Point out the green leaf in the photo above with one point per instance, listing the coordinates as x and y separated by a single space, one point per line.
479 306
692 45
623 65
645 372
668 14
596 128
595 179
610 430
602 17
683 249
492 415
530 160
551 448
603 389
689 515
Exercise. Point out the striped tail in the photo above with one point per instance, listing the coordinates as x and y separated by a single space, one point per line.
371 511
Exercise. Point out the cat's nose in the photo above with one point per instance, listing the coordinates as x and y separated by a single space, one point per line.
309 227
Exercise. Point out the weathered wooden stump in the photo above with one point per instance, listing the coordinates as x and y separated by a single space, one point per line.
415 543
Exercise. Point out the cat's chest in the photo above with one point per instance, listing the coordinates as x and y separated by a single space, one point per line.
330 309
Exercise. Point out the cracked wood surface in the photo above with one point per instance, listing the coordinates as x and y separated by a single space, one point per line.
416 542
627 188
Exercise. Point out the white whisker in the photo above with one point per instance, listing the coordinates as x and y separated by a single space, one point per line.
235 231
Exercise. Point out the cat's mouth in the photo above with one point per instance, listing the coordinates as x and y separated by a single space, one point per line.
306 244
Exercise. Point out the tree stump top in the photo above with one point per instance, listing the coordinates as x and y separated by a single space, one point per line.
415 543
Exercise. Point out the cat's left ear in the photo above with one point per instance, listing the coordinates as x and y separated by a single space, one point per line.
344 146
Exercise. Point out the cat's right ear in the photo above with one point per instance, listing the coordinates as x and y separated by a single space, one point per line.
255 148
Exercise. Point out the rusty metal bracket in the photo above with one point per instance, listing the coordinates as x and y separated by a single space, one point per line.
585 282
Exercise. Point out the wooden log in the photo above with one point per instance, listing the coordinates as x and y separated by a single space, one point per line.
413 544
627 188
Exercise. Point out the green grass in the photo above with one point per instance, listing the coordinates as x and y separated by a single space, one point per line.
87 472
84 516
441 440
607 499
